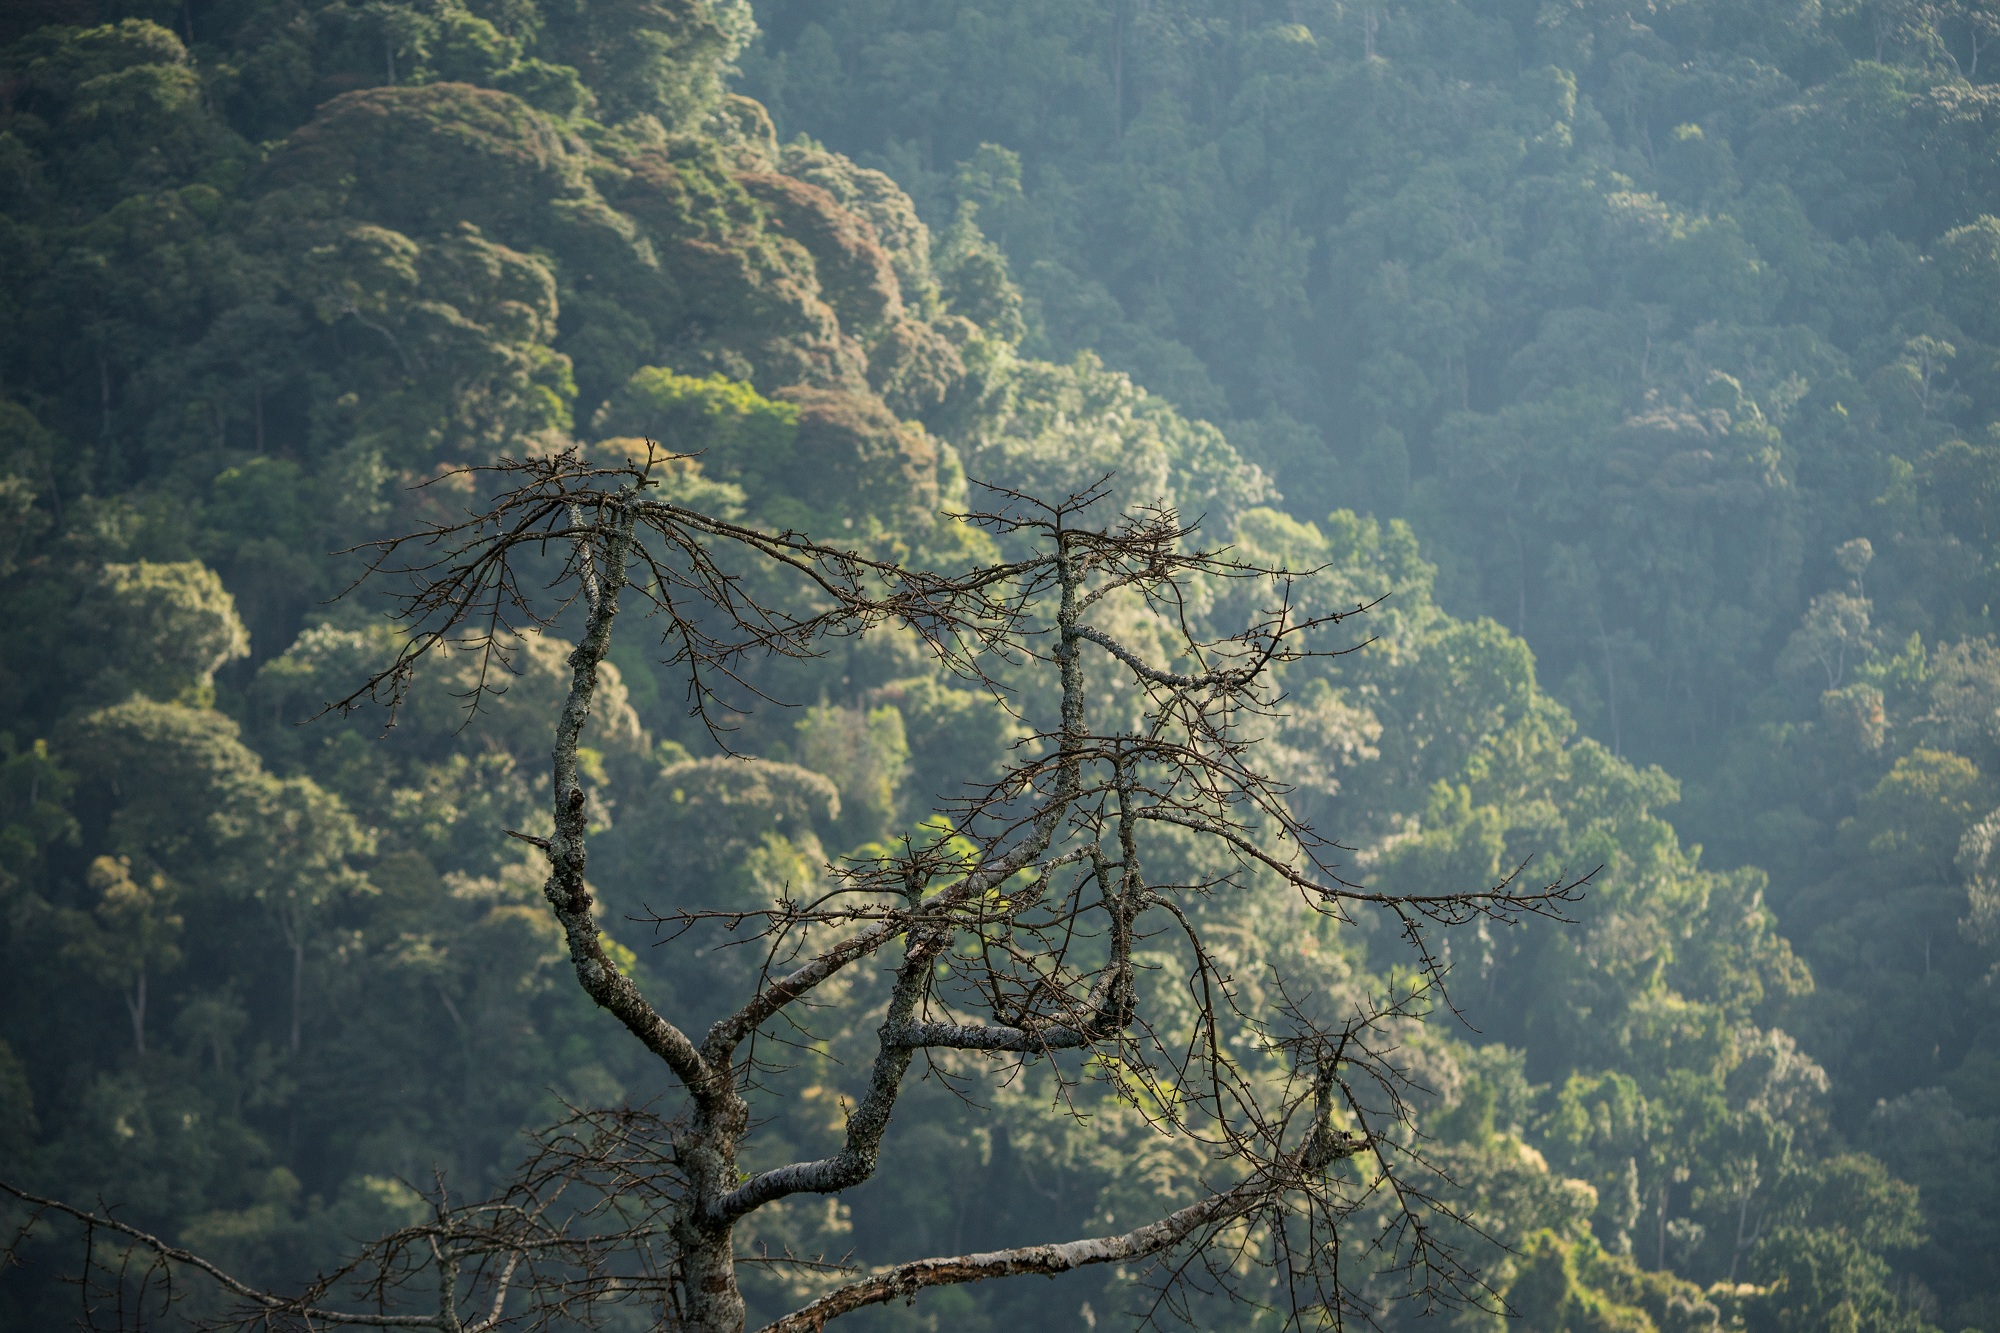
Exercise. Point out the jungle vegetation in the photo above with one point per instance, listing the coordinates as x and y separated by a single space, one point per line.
1638 364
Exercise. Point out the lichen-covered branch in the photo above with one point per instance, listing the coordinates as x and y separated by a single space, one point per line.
1324 1147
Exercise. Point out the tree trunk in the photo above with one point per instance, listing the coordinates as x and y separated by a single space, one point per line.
135 1004
1742 1221
714 1302
1611 706
1118 70
1520 564
298 984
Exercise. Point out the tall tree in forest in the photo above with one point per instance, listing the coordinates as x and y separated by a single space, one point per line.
1071 914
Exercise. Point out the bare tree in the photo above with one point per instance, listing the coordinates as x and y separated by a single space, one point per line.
1010 941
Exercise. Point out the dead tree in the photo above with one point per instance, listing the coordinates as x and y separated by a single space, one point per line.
1009 941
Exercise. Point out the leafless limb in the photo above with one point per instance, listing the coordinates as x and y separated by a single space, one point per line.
470 584
566 1237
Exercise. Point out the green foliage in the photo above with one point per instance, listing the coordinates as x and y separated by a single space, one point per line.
866 754
162 630
1824 1279
1914 817
733 822
1561 1288
734 432
1634 365
1650 321
131 932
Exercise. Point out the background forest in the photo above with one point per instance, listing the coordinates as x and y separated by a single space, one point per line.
1645 356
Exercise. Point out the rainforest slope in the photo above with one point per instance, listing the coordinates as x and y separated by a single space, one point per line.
268 266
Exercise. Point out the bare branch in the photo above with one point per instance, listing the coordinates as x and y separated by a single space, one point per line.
1324 1147
268 1304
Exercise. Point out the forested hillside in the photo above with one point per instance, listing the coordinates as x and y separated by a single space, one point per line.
1643 361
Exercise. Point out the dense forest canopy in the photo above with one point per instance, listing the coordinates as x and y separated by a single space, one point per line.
1642 358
